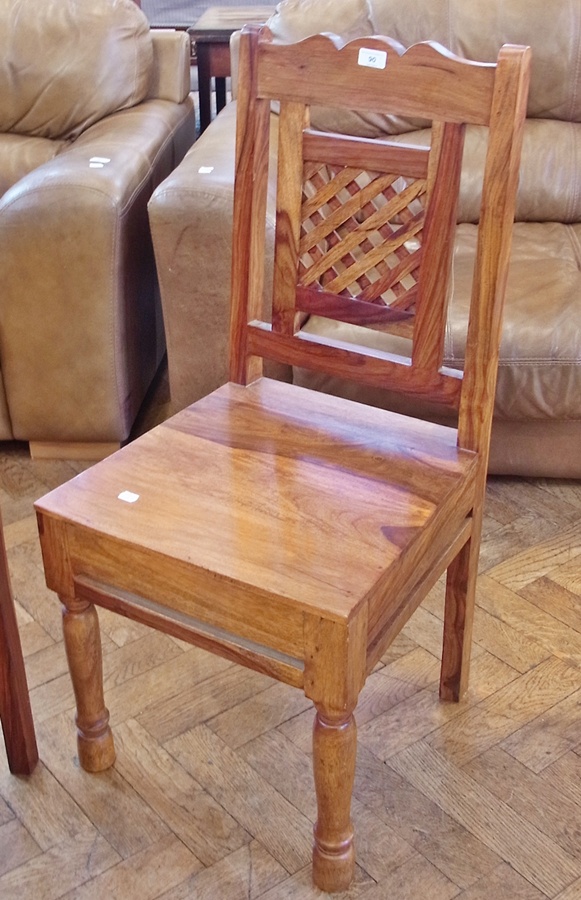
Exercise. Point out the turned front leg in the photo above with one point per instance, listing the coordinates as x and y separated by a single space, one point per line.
83 647
334 753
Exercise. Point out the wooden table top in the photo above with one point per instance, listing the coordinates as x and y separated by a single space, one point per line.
218 22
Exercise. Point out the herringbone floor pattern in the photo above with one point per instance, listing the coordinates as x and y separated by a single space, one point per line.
212 797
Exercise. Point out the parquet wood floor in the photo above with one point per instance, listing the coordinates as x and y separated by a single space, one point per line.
211 796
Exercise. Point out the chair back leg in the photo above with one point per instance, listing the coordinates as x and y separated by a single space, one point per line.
15 711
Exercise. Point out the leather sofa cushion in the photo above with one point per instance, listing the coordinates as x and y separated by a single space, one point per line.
540 352
550 176
297 19
476 29
64 64
19 155
539 376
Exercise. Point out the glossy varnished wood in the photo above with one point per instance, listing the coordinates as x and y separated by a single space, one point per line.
286 530
15 713
211 794
240 459
424 82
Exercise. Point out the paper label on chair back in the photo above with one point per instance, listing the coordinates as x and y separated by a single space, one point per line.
374 59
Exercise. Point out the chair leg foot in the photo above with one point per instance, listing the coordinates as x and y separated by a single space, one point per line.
334 752
333 872
83 646
96 748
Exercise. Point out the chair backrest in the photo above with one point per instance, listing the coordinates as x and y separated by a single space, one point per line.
365 228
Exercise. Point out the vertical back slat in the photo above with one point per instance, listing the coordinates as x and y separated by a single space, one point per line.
288 215
438 247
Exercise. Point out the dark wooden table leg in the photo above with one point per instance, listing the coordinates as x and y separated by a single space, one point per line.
15 711
204 85
220 94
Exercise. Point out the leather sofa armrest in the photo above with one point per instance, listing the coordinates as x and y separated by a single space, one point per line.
171 65
79 327
190 215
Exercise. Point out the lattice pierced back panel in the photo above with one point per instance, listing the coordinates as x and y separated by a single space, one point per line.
361 234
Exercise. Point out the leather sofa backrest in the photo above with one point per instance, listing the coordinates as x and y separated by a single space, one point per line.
65 64
297 19
550 184
475 29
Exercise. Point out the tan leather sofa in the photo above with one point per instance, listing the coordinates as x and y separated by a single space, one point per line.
537 425
95 112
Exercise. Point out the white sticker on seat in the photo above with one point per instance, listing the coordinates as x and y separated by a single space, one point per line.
128 496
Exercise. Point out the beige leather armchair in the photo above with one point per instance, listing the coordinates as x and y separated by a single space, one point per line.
95 112
537 422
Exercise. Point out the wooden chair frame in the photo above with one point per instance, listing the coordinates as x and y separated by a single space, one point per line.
285 529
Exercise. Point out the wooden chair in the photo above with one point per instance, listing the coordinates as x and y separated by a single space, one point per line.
15 712
289 530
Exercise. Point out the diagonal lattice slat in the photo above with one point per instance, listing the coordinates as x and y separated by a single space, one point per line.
361 233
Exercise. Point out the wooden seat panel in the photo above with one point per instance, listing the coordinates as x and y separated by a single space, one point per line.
303 507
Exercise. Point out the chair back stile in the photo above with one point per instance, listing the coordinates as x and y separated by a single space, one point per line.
248 251
493 250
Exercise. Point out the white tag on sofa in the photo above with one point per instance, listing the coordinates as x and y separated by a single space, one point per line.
373 59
